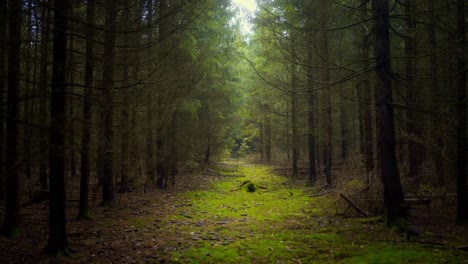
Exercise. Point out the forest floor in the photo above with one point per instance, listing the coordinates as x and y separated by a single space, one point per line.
230 215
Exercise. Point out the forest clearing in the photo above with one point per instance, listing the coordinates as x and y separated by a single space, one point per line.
213 217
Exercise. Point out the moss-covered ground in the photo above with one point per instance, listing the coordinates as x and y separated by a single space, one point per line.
280 223
229 214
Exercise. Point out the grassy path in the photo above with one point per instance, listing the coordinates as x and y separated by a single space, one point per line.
217 218
280 223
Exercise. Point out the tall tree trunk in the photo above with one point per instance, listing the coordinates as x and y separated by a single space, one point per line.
343 132
414 148
151 171
57 242
294 126
328 95
393 193
70 126
28 90
366 95
85 166
125 120
462 152
268 138
434 134
311 107
108 192
261 141
12 225
3 79
44 91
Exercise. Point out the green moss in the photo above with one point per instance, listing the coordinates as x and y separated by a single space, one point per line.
282 224
86 215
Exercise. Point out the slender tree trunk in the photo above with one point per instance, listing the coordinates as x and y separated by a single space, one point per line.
151 171
12 220
294 126
434 134
3 79
268 138
462 152
311 107
124 167
85 166
343 132
108 190
366 93
261 145
414 148
70 126
393 193
328 96
57 242
44 91
28 90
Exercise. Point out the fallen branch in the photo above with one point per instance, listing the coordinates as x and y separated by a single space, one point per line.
365 214
320 193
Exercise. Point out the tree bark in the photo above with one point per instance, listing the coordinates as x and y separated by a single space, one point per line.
125 135
268 138
311 105
366 95
28 90
3 79
462 196
44 91
328 95
108 190
12 220
393 193
85 166
294 126
412 126
57 242
434 134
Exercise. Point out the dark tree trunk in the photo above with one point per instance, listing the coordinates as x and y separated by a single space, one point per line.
311 113
343 132
85 166
161 160
28 90
108 190
434 134
151 171
462 196
12 219
44 91
70 125
57 242
393 193
268 138
3 79
124 164
328 95
366 96
412 126
262 139
294 126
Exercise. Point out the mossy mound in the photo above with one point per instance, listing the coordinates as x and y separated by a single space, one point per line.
248 185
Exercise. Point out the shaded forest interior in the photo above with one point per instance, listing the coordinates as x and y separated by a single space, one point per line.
365 101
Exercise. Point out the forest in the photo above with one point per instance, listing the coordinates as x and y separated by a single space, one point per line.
233 131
